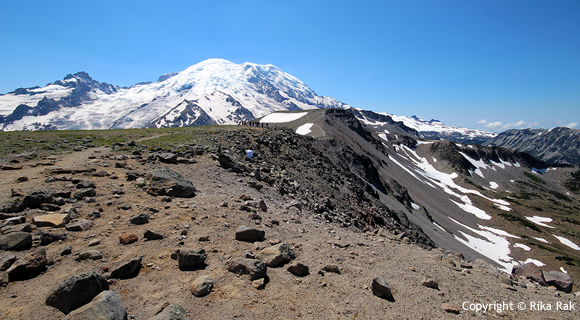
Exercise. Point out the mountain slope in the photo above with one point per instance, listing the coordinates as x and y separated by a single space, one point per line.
558 145
482 201
227 93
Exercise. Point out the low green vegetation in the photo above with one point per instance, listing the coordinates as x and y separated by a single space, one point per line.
525 222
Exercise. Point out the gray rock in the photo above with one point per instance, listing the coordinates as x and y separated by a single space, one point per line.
152 235
66 250
164 181
13 221
76 291
277 255
481 264
252 267
249 234
171 312
16 241
91 255
6 261
17 228
262 205
47 238
84 193
430 283
298 269
529 271
28 266
202 286
4 278
105 306
83 183
191 258
141 218
127 270
35 199
228 163
167 157
381 288
331 268
79 225
562 281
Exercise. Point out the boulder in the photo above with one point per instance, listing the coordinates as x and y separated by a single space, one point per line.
127 270
191 258
167 157
16 241
34 199
529 271
277 255
76 291
562 281
55 220
381 288
252 267
202 286
47 238
249 234
171 312
16 228
165 181
28 266
83 183
128 238
141 218
105 306
228 163
298 269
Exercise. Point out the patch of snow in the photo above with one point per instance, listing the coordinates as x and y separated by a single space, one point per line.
493 185
440 227
567 242
494 246
534 261
563 270
304 129
383 136
415 206
540 221
541 240
523 246
279 117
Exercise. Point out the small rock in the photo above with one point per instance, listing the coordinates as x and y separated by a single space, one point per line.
430 283
6 261
79 225
298 269
202 286
76 291
141 218
84 193
127 270
13 221
252 267
203 238
91 255
128 238
4 278
381 288
276 255
47 238
66 250
171 312
152 235
124 206
94 242
259 283
450 307
191 258
55 220
247 234
331 268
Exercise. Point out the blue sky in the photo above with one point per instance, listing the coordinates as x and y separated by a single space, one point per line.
490 65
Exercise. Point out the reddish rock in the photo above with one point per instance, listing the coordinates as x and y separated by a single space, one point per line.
128 238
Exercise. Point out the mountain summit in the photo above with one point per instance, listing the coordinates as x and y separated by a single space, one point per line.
214 91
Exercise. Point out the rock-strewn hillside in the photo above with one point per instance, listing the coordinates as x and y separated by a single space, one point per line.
301 255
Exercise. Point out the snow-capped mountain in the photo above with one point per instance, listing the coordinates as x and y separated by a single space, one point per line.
214 91
414 126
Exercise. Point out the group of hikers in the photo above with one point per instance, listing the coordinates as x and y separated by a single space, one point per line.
256 124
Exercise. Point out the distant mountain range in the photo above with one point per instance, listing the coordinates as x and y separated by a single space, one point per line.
217 91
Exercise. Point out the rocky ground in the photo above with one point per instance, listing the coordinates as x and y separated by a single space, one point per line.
100 193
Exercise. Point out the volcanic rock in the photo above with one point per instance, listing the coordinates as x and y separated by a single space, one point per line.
76 291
